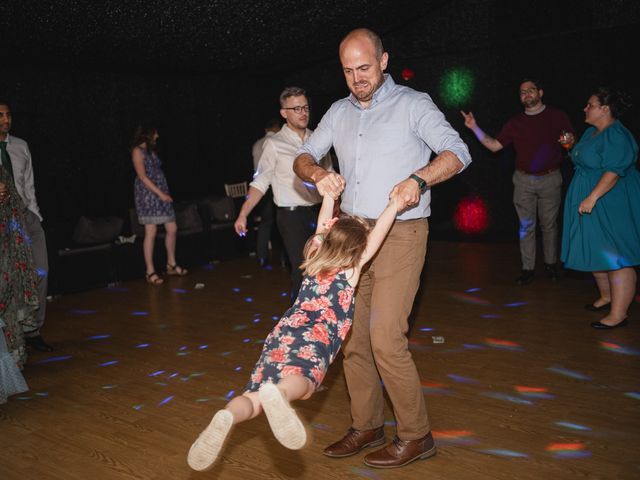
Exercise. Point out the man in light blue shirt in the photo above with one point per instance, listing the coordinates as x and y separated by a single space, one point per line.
383 135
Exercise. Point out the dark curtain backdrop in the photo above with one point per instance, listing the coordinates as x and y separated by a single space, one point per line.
79 123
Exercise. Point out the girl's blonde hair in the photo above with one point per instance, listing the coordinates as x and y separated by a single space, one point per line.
339 248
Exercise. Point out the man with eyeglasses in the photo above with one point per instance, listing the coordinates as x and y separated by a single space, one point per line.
383 135
537 180
297 202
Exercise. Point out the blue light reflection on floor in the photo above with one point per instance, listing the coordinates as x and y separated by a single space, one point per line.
505 453
569 373
59 358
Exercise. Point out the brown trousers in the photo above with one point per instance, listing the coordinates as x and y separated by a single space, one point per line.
378 346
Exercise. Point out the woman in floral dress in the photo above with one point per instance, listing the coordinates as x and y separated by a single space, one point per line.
18 287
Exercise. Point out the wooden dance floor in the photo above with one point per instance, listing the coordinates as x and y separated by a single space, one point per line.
518 385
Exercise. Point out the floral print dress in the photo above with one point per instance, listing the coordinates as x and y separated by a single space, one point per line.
18 287
308 337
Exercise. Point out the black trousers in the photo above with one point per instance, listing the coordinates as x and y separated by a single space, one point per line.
296 226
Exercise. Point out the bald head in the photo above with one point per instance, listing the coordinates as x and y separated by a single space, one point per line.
363 35
363 62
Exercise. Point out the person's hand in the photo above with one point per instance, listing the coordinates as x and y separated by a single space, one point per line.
4 192
586 205
165 198
469 120
330 183
393 201
407 193
240 225
567 139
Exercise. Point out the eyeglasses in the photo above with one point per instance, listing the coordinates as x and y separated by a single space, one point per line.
298 108
528 91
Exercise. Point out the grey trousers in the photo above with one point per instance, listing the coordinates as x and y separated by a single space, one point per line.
537 197
39 249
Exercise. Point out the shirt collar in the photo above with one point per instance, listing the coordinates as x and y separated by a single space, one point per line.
289 132
385 89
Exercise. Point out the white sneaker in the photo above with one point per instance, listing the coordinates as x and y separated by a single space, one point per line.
283 420
205 450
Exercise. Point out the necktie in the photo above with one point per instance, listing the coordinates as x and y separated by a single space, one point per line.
5 159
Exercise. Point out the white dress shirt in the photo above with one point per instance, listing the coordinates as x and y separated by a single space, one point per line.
275 169
23 172
256 150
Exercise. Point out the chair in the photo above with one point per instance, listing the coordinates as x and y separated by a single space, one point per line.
235 190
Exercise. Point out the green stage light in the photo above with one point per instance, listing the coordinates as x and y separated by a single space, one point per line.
456 86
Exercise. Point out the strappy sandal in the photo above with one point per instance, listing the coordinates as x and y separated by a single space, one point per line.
176 270
154 279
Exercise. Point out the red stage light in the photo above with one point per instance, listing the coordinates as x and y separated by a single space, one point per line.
471 215
407 74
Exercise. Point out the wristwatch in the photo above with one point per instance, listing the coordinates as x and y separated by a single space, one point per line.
421 183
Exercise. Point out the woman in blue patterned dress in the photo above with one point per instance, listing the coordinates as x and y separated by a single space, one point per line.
153 202
298 351
601 231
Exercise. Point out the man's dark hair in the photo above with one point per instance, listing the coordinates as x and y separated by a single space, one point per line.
537 83
291 92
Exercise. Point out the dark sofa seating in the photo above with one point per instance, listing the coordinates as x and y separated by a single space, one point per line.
83 258
95 252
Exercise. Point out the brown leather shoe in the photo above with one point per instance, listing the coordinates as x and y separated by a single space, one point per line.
400 453
354 441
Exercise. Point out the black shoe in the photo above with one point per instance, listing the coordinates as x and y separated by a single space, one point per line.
525 277
602 326
551 271
592 308
38 343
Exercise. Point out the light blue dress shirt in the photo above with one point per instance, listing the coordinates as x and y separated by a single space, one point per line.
381 145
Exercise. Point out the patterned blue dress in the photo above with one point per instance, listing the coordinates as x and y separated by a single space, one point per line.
149 207
309 335
609 237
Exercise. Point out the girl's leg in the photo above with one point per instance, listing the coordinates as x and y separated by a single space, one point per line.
147 246
604 288
623 288
205 450
283 420
171 230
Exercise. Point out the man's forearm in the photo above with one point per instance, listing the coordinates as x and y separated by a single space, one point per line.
307 169
441 168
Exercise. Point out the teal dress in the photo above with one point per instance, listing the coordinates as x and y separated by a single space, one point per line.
609 237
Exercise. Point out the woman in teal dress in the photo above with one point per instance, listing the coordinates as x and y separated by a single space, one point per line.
601 231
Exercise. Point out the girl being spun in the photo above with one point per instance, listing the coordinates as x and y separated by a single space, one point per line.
298 351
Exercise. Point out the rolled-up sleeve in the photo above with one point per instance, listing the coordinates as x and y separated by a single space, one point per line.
266 167
429 123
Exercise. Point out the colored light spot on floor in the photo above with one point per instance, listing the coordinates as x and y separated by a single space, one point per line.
515 304
505 453
503 344
143 345
490 315
616 348
365 473
138 407
635 395
461 379
573 426
237 328
179 290
77 311
106 364
156 373
140 313
60 358
507 398
471 290
202 400
108 387
569 373
98 337
469 299
166 400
